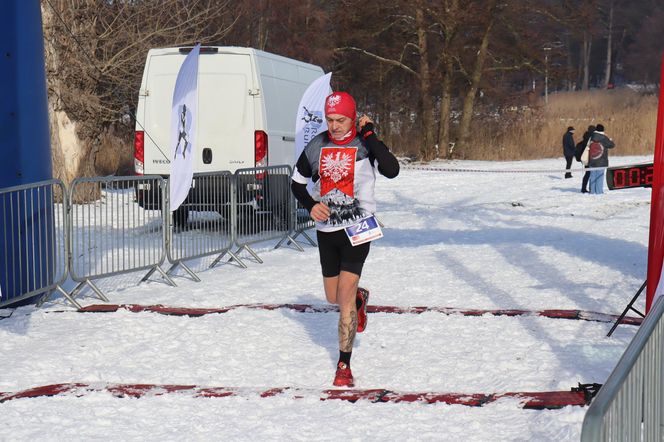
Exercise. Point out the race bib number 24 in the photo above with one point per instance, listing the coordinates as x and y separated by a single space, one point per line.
367 229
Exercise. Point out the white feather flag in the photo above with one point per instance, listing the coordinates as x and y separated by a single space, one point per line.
183 128
310 114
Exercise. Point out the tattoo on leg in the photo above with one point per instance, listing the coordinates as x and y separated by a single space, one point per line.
347 331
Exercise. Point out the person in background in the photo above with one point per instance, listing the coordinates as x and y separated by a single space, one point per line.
598 156
342 163
568 150
580 150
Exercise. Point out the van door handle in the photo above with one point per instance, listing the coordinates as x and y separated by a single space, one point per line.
207 155
285 138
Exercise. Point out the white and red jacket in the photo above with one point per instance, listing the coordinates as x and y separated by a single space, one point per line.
344 177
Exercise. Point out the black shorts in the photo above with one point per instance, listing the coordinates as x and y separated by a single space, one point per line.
337 253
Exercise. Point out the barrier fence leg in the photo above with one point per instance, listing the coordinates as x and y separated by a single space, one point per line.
186 269
166 277
69 298
303 233
233 257
64 293
311 241
291 240
99 293
250 251
163 274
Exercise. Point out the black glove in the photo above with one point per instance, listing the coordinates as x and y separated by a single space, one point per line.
367 130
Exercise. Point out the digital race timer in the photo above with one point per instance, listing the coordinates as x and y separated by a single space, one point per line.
624 177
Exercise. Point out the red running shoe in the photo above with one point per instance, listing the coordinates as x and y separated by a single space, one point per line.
361 302
343 377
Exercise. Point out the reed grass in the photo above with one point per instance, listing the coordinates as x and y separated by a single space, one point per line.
533 132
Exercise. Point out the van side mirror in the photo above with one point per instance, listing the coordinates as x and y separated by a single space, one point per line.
207 155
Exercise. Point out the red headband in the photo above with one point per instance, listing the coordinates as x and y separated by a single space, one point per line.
341 103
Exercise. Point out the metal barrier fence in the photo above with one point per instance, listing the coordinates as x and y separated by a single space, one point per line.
303 222
32 240
107 226
204 224
117 228
265 209
629 406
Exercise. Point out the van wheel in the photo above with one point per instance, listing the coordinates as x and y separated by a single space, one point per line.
180 218
247 221
281 219
225 212
279 202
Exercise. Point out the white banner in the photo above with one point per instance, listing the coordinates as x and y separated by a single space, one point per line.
311 113
183 124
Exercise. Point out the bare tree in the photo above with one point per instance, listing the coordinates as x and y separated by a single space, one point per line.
644 54
427 149
301 30
96 53
409 53
448 17
475 75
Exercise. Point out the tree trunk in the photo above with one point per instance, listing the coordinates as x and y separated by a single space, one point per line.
426 101
609 48
475 78
587 46
450 28
68 151
262 27
570 67
445 110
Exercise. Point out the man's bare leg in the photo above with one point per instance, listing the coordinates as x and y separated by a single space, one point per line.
342 290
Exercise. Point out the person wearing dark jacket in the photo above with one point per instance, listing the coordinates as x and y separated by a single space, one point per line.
580 148
568 150
598 156
342 163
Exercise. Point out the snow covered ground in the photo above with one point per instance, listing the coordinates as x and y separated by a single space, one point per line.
452 239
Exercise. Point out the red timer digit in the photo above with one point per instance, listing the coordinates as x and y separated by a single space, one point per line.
648 178
625 177
619 179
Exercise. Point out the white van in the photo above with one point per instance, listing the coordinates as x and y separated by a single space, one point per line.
247 105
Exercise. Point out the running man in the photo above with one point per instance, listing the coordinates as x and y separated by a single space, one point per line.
342 164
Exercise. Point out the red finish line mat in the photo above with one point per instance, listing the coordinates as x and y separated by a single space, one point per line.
310 308
527 400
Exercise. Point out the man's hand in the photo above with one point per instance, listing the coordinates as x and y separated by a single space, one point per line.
320 212
363 120
366 126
